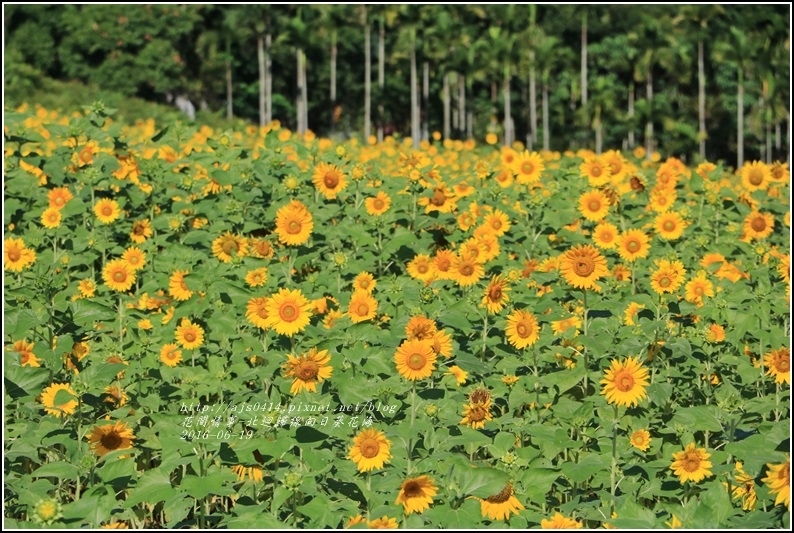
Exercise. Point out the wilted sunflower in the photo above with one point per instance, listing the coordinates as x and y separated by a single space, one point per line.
189 335
254 473
111 437
51 218
500 506
256 277
743 488
633 245
329 180
421 268
107 210
135 258
415 359
668 276
641 439
364 282
582 266
141 230
692 464
416 494
227 244
307 370
756 176
118 275
377 205
177 288
50 395
466 270
605 235
528 167
16 256
288 312
778 479
370 450
294 223
420 327
58 197
778 363
458 373
362 307
594 205
558 521
669 226
261 248
522 329
170 355
475 415
759 225
624 382
495 297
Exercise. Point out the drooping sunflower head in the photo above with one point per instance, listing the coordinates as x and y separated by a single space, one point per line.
558 521
495 297
141 230
475 415
501 505
421 328
416 494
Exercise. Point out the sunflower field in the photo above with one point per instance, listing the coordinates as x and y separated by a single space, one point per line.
256 329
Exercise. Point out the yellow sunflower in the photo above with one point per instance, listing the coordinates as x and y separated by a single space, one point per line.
364 282
498 222
618 166
177 288
715 333
118 275
329 180
522 329
416 494
458 373
743 488
596 171
699 287
756 176
261 248
58 197
466 270
256 277
633 245
362 307
778 479
16 256
421 267
475 415
420 327
778 363
624 382
107 210
582 266
631 313
135 258
415 359
25 351
141 230
227 244
51 218
605 236
558 521
692 464
495 297
500 506
759 225
189 335
641 439
594 205
668 276
669 226
60 392
294 223
370 450
307 370
111 437
378 204
442 261
170 354
528 167
288 312
383 522
254 473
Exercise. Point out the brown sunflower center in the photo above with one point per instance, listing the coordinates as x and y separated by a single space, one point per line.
230 245
523 329
606 236
495 293
496 224
288 312
477 413
422 268
190 336
438 198
362 309
668 225
86 155
119 276
111 440
527 167
138 229
293 227
583 266
364 283
479 396
596 171
467 269
756 177
59 201
594 204
443 264
416 361
665 281
691 462
331 180
412 489
307 370
624 382
502 497
633 246
369 448
107 210
378 204
758 224
14 255
783 363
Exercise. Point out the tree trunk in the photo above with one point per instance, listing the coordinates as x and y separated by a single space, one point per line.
533 104
447 98
740 123
631 116
268 76
304 93
768 143
260 54
425 98
546 132
777 137
414 97
508 126
367 77
584 58
599 132
299 100
462 104
333 81
229 85
381 78
649 124
470 125
701 101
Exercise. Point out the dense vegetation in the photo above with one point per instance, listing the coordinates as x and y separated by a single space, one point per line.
671 77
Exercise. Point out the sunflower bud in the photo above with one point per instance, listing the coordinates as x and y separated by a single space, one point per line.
292 481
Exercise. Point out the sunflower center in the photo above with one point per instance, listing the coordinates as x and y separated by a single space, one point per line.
331 180
107 210
369 448
412 489
59 201
467 269
443 265
756 177
583 266
665 281
416 361
502 497
527 167
307 370
119 276
14 255
758 224
595 171
288 312
190 336
137 229
111 440
378 204
615 167
496 224
438 198
783 364
422 269
668 225
606 236
594 205
479 396
699 291
85 156
691 463
477 413
363 309
229 246
624 382
523 330
633 246
495 294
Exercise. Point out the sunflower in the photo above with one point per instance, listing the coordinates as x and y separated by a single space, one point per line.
641 439
364 282
476 415
329 180
458 373
631 313
416 494
778 479
495 297
756 176
141 230
378 204
618 166
489 247
383 522
107 210
421 267
51 218
362 307
759 225
441 342
256 277
261 248
624 382
669 275
528 167
135 258
596 171
715 333
118 275
778 363
442 261
501 505
466 270
498 222
504 178
669 226
62 393
227 244
415 359
594 205
16 256
370 450
743 488
674 522
294 223
189 335
522 329
115 395
605 235
111 437
170 354
633 245
254 473
662 200
421 328
698 287
25 351
307 370
288 312
58 197
332 317
443 200
177 288
582 266
558 327
558 521
692 464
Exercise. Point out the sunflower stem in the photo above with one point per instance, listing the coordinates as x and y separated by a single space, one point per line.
369 490
121 327
484 334
411 434
584 349
633 278
613 473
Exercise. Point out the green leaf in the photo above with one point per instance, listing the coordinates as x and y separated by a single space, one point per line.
480 482
24 380
59 469
154 486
